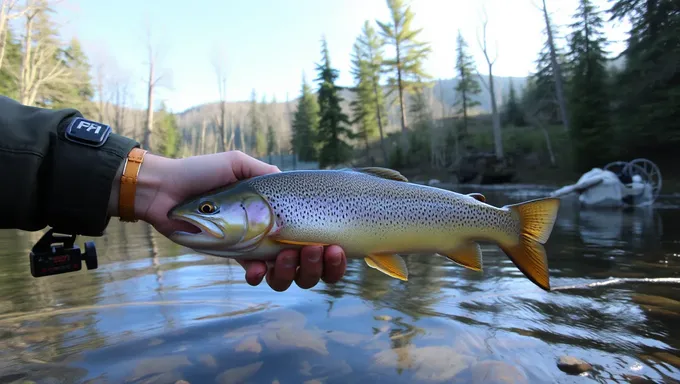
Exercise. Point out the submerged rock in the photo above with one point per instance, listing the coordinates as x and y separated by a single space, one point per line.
635 379
573 365
497 372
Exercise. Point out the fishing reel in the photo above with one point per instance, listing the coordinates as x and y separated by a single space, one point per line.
54 254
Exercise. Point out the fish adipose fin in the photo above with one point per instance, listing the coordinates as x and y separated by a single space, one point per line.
384 173
391 265
469 255
478 196
537 218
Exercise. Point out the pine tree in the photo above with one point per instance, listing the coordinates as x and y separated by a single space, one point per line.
406 66
11 62
333 122
588 94
258 141
467 86
513 113
167 131
364 112
648 87
369 47
77 90
305 125
540 92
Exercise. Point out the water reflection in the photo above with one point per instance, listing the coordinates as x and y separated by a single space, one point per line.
154 313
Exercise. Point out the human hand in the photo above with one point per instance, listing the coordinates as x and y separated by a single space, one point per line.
164 183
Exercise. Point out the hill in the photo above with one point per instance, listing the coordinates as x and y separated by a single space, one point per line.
441 95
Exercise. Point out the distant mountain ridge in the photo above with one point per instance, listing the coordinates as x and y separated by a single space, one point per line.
441 97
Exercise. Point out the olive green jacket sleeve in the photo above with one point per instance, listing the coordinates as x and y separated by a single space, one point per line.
47 180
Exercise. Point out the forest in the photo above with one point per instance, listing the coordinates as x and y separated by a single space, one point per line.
580 108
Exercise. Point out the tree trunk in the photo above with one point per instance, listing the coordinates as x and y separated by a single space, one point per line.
146 143
380 125
496 119
557 72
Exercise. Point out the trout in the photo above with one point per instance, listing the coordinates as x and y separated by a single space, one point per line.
373 213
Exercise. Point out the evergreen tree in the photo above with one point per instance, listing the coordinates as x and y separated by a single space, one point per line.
11 62
540 92
406 66
258 141
167 131
513 113
271 141
77 90
364 112
369 49
333 122
467 86
305 125
648 87
588 95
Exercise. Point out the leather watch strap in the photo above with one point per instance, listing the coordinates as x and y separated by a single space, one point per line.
128 184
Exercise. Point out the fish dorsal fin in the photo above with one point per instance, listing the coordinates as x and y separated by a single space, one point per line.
391 265
477 196
384 173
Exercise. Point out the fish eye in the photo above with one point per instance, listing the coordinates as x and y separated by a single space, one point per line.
207 207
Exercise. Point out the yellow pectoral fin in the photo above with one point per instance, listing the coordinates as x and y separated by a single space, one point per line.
469 255
303 243
391 265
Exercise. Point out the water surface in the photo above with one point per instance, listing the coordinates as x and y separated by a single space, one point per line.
156 313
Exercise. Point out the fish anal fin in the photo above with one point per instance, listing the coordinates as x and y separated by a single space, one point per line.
468 255
478 196
384 173
391 265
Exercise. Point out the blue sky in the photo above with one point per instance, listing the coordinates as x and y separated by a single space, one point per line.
269 43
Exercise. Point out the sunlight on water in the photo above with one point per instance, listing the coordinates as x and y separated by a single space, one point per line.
155 313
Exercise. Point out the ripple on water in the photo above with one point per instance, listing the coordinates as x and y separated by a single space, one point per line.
153 312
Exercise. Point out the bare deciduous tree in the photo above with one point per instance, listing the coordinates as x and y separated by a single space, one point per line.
557 69
219 64
39 65
153 82
9 11
489 85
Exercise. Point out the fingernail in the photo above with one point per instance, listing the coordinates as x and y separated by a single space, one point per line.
336 260
290 261
314 258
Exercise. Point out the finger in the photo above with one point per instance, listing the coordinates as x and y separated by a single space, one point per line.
245 166
255 271
282 275
334 264
311 267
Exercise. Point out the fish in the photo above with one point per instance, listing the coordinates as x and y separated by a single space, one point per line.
373 213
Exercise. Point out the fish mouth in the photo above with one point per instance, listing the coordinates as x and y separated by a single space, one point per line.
196 226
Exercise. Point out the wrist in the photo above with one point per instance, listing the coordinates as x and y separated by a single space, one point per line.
148 184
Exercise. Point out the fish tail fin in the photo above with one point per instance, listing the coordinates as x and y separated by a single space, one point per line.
536 220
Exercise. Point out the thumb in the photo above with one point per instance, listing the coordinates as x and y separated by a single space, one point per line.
245 166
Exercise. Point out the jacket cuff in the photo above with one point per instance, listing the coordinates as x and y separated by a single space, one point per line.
81 182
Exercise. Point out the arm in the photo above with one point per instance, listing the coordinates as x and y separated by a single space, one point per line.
49 180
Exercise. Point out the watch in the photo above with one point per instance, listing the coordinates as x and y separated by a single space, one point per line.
128 184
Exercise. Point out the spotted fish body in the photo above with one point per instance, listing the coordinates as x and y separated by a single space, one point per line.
368 214
372 213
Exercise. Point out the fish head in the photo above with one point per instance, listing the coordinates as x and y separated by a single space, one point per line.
232 220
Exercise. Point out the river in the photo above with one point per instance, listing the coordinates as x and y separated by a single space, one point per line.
154 312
